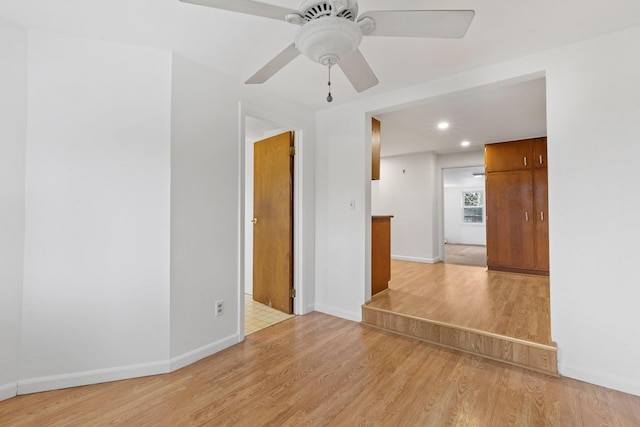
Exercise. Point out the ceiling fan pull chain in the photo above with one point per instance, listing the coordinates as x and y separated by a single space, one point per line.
329 97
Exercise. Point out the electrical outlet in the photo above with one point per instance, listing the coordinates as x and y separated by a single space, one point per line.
219 308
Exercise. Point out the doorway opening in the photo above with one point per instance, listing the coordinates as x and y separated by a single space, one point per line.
417 157
269 225
465 233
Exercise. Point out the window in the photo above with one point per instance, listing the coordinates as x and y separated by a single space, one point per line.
473 207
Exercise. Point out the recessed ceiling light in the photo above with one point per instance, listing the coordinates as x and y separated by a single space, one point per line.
465 143
443 125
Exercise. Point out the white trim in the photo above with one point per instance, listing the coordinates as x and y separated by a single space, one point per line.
338 312
55 382
416 259
599 378
193 356
75 379
7 391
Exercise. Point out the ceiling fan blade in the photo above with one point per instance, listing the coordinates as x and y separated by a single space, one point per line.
247 6
420 23
276 64
357 70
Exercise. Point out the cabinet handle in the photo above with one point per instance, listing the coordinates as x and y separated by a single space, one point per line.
541 159
525 160
254 221
541 216
526 216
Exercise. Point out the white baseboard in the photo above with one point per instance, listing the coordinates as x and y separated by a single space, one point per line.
193 356
75 379
600 378
7 391
349 315
415 259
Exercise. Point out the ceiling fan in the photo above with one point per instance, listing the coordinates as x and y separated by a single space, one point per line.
331 31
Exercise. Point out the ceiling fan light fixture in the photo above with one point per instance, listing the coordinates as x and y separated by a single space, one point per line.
328 40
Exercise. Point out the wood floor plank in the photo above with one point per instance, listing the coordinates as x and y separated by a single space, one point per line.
513 305
317 370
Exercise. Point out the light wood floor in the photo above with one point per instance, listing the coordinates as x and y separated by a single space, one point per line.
508 304
318 370
465 254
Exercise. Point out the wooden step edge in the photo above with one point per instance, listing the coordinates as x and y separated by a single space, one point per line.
439 344
551 370
374 296
551 347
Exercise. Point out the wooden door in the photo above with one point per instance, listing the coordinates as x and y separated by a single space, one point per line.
541 211
510 222
273 222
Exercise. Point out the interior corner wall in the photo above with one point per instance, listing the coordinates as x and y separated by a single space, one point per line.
205 150
406 190
96 265
593 123
13 127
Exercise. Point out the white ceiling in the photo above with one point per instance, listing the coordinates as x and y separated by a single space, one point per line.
237 45
481 116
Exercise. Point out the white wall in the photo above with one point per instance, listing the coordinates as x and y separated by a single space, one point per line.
205 156
13 126
208 203
593 122
343 173
455 229
96 267
593 126
133 193
406 190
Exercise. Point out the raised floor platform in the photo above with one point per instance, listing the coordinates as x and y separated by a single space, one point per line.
500 316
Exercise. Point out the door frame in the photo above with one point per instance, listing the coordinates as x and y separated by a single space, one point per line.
245 255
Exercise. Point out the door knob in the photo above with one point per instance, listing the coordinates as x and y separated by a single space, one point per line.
254 221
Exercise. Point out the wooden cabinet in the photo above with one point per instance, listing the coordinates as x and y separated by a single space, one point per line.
540 210
517 207
516 155
510 231
540 153
380 253
375 149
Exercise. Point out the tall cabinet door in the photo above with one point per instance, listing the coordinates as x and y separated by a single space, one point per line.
541 213
510 222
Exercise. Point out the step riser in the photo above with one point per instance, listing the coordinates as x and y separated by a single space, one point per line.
538 357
